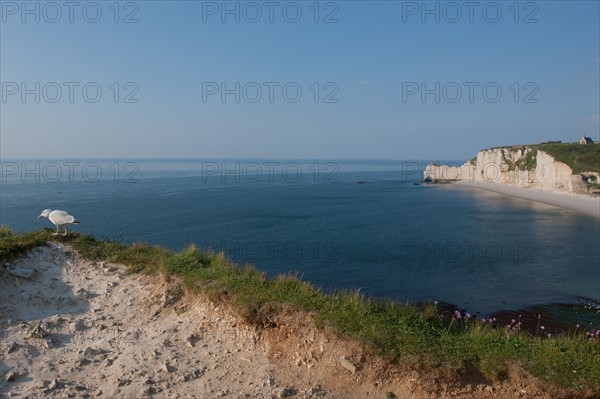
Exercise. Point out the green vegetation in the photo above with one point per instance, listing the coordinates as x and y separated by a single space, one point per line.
528 162
416 336
580 158
12 245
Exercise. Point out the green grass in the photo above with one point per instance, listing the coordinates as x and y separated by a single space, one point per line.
13 245
580 158
528 162
415 336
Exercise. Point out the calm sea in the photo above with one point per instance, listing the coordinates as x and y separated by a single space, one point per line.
343 224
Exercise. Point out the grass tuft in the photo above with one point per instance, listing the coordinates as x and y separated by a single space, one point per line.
13 245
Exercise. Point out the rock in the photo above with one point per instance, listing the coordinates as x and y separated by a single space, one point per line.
269 381
93 355
286 393
316 392
192 375
48 343
149 391
511 169
55 384
22 272
43 384
167 368
38 332
192 339
78 325
171 296
121 382
347 365
12 376
82 293
13 348
83 362
90 352
109 269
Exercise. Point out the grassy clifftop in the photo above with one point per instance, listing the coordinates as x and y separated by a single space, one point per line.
415 336
580 158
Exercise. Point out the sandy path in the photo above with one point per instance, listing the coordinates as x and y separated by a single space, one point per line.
586 205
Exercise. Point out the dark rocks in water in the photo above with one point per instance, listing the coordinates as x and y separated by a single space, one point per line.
439 181
360 182
555 318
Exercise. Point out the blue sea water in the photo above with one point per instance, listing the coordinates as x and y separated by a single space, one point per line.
341 225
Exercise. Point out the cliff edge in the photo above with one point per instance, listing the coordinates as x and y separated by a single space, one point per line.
73 328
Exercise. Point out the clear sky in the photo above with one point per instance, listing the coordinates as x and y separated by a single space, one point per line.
362 68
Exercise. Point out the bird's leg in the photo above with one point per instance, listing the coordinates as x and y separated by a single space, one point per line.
64 235
55 234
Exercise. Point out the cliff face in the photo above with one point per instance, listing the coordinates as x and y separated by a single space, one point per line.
518 166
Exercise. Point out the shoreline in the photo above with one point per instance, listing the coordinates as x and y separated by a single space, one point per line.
587 206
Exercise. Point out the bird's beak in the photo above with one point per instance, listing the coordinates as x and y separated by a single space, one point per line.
39 216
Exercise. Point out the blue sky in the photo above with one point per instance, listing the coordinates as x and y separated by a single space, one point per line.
368 61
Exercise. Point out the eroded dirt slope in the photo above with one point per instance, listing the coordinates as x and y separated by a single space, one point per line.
74 329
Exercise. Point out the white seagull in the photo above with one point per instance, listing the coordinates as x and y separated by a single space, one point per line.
58 218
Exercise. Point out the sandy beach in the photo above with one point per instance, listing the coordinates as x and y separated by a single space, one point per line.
586 205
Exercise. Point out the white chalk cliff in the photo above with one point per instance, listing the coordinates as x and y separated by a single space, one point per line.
516 166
